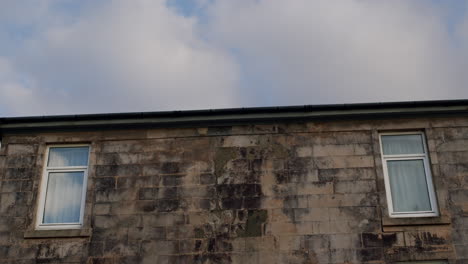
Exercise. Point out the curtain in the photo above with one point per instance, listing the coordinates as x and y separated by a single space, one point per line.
63 157
63 197
402 144
408 185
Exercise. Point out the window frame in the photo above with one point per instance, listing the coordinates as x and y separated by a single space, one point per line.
43 189
435 261
427 169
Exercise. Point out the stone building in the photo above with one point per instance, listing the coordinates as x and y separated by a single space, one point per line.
359 183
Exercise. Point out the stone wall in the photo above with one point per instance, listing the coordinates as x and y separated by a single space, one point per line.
273 193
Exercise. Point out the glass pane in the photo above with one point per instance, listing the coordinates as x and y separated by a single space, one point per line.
408 186
73 156
63 197
402 144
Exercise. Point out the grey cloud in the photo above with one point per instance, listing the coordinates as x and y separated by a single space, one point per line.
125 56
343 51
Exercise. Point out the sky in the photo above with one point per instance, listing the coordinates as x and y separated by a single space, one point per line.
88 56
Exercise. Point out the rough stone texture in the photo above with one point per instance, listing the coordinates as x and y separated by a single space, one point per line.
309 192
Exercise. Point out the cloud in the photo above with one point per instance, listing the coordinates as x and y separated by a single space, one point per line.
60 57
342 51
14 91
125 56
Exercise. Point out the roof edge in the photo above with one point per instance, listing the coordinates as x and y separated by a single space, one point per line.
234 115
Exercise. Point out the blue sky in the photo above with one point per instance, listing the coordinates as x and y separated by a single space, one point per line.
72 57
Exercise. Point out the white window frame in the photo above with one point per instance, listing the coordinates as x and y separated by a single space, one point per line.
425 261
43 190
427 168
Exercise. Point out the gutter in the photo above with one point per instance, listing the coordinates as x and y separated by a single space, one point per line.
222 117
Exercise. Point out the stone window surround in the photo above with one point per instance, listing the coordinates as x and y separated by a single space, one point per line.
43 189
424 157
85 231
65 233
393 224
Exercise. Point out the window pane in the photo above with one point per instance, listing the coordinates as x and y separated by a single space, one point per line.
63 197
62 157
402 144
408 186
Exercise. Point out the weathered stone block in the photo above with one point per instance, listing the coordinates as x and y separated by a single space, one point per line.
20 161
341 150
311 214
163 219
122 146
20 173
21 149
344 241
314 188
344 162
367 186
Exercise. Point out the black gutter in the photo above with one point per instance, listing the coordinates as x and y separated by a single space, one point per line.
233 116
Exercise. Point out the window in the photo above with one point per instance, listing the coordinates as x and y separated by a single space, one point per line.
63 187
408 180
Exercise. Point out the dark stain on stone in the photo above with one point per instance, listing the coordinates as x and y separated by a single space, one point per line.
241 215
255 223
105 183
198 244
172 180
427 238
305 257
238 190
281 177
252 202
370 254
19 173
256 165
207 204
389 239
149 207
212 258
46 251
279 151
231 203
222 157
219 130
170 167
207 178
21 161
166 193
199 232
370 240
168 205
211 245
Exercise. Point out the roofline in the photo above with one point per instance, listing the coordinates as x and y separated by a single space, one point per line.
233 116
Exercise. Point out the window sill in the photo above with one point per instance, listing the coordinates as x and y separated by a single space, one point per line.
65 233
399 224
